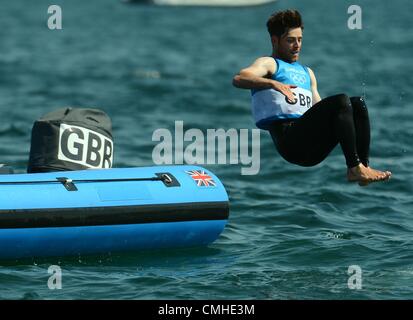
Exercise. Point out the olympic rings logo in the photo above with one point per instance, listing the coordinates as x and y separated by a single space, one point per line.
298 78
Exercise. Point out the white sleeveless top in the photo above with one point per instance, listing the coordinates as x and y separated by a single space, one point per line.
269 105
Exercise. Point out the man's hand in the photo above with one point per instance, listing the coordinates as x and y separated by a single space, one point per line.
285 89
258 76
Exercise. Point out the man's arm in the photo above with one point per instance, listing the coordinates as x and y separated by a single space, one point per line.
258 76
314 90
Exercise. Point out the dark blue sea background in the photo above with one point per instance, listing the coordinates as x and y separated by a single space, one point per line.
293 232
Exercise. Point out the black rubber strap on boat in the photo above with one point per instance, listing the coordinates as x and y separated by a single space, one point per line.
113 215
68 183
167 178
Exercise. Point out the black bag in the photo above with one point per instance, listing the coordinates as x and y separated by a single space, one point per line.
71 139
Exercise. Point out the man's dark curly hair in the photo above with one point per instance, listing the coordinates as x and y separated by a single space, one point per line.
281 21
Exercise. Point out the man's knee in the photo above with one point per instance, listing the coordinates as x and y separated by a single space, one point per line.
359 106
343 103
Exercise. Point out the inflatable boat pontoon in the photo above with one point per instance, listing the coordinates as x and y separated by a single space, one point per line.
109 210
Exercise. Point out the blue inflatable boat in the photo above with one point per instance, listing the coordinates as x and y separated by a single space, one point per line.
109 210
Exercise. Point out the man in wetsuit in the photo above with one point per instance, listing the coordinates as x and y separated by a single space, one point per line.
285 101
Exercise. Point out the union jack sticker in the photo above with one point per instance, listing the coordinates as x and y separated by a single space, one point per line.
201 178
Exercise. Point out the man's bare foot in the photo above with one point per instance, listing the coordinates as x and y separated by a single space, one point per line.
365 175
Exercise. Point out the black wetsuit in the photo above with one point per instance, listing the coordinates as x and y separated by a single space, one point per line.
308 140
